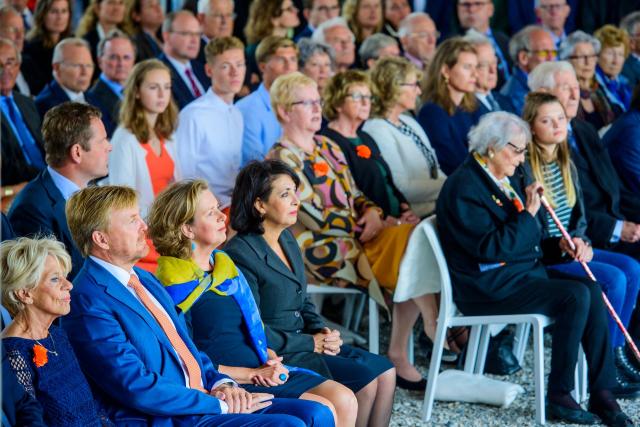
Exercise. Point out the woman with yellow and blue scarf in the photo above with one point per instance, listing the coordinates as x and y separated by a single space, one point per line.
186 225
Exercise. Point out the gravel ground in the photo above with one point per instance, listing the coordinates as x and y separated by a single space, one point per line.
407 408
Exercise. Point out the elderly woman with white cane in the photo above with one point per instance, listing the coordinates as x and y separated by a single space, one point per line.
491 239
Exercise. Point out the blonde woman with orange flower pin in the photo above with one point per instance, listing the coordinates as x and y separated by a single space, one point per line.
36 292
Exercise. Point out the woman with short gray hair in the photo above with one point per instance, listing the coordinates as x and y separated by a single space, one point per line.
316 60
582 50
492 242
36 292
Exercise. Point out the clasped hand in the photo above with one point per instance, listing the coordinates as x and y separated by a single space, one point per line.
327 341
582 252
268 375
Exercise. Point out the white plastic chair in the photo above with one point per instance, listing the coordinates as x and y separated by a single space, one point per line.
352 295
479 337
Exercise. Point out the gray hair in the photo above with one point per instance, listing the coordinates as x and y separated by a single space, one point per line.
338 21
204 6
522 41
22 261
476 38
371 46
12 45
71 41
307 48
406 25
568 45
112 35
167 25
544 75
629 22
496 130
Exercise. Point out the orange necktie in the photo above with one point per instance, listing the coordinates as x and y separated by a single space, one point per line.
193 369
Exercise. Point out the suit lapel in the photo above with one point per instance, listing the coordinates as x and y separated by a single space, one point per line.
273 261
118 291
57 204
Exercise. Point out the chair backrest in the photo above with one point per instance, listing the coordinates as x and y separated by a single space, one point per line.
5 317
447 306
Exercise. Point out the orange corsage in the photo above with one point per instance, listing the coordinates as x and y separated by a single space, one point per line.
518 204
363 151
320 169
40 357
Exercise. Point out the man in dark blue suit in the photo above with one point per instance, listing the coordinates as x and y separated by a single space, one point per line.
181 33
77 152
116 57
72 71
134 346
631 69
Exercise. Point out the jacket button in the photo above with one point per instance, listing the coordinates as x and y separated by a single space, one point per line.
297 314
299 291
537 248
298 331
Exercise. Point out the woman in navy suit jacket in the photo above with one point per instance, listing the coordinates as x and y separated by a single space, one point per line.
263 206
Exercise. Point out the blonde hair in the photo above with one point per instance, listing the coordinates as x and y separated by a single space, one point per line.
22 264
270 45
338 88
350 14
259 24
612 36
175 206
387 76
220 45
89 210
435 86
535 155
283 89
132 114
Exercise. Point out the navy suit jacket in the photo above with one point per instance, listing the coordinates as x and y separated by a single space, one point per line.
109 104
50 96
15 168
39 209
127 356
623 142
516 89
503 102
181 92
631 70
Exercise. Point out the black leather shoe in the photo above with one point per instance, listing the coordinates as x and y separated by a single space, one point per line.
623 388
613 418
500 357
411 385
624 364
573 416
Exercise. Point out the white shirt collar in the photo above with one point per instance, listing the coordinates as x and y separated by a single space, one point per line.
74 96
180 66
119 273
100 30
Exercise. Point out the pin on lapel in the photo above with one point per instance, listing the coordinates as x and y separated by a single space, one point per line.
495 199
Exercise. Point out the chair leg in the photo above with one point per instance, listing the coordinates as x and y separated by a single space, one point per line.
434 370
483 347
347 314
580 391
538 359
410 346
357 317
520 340
374 327
472 348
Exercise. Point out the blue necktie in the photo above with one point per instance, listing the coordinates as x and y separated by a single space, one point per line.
27 142
493 103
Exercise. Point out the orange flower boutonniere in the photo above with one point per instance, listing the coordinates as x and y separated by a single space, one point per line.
518 204
40 357
320 169
363 151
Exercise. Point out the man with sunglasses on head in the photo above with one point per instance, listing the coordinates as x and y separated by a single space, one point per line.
529 47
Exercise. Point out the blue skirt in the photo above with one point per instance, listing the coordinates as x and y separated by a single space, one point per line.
297 384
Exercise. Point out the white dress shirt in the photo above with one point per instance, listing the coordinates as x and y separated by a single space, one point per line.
210 143
74 96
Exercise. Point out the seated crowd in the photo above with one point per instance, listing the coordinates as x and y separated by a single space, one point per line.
172 181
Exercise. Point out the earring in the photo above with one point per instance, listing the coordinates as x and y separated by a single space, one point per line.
193 246
491 154
446 79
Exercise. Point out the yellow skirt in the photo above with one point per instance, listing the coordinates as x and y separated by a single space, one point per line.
385 253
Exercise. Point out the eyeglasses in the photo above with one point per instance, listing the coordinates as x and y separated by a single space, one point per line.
584 58
473 4
426 34
9 63
551 7
308 103
197 34
327 9
224 16
518 150
544 53
359 97
88 67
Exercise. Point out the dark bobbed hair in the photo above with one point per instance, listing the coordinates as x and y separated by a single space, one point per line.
255 181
